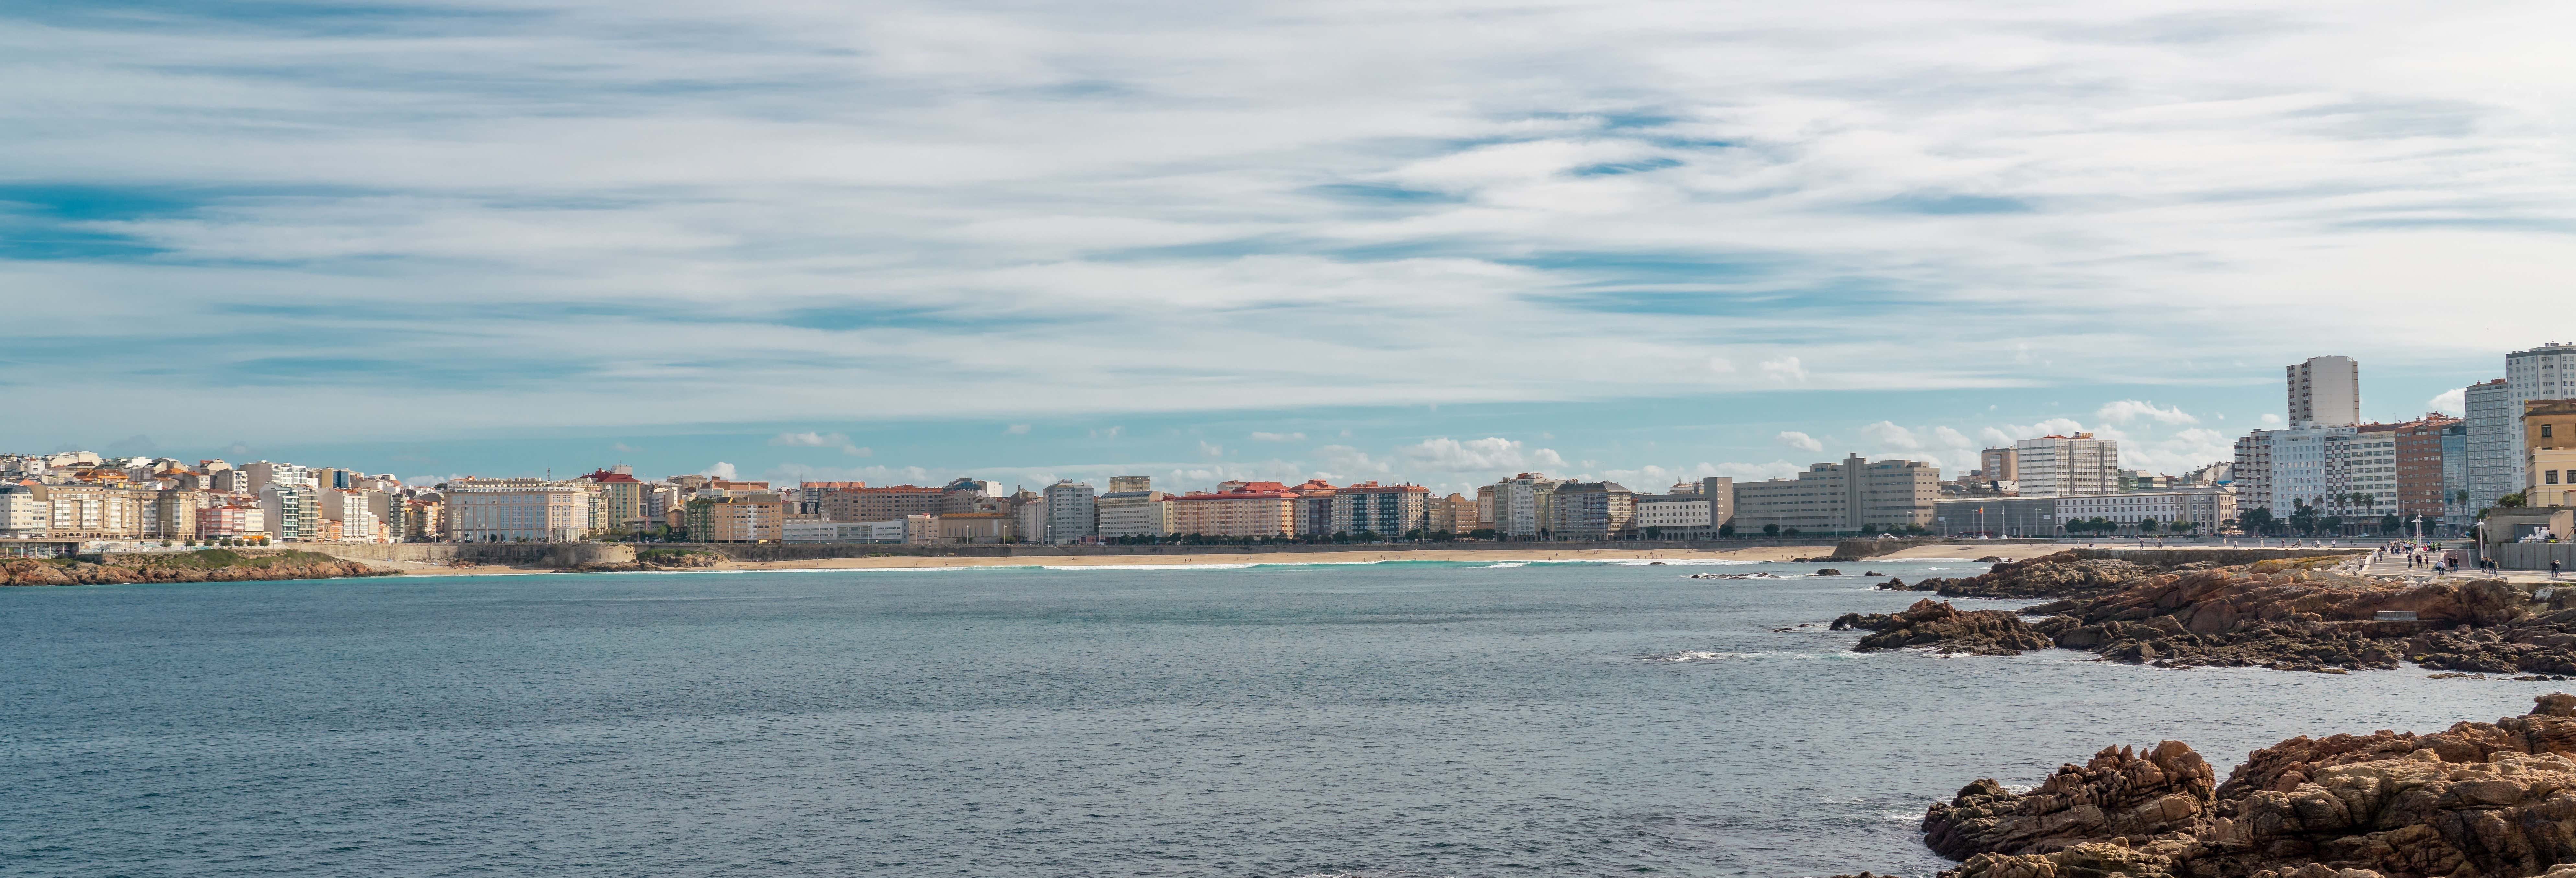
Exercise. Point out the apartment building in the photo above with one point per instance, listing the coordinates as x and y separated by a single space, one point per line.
1244 512
2325 392
2361 471
1844 497
1522 506
2067 466
2423 481
1072 513
1314 507
2549 458
1385 510
1676 516
891 503
1999 464
979 527
292 510
1138 513
2495 423
2546 372
738 517
1122 484
1591 510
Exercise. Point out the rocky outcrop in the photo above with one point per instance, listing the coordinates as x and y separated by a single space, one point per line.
2479 800
211 565
2119 794
2062 575
1946 629
2287 614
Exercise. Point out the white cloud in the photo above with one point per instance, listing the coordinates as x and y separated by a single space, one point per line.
2271 165
1490 454
1017 429
1344 462
839 441
621 446
1210 449
721 470
1890 436
1786 370
2130 411
1800 441
2453 402
1778 469
2270 420
1278 437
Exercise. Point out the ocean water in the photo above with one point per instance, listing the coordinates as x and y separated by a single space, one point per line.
1414 719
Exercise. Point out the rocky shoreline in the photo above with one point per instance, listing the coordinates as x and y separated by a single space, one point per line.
2288 614
209 565
2489 800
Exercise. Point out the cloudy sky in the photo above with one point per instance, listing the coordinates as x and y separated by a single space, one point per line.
1430 241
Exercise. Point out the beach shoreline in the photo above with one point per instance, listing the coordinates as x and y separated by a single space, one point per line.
1356 555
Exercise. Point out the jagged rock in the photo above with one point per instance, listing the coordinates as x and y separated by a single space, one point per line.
2479 800
1989 559
1946 628
2118 794
1829 572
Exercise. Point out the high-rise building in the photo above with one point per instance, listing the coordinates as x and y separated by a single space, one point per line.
2549 458
2494 422
1120 484
2325 392
1521 505
1072 513
2456 512
1385 510
2541 373
2361 471
1592 510
2421 485
2067 466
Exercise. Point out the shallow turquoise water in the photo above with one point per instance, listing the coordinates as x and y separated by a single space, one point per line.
1415 718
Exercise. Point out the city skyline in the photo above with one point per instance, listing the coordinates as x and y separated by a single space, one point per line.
456 222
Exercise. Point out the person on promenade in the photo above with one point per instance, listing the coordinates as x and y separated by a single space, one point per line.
2553 568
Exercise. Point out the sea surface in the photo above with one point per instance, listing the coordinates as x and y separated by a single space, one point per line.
1398 719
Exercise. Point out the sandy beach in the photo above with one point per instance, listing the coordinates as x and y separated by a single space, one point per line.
1537 553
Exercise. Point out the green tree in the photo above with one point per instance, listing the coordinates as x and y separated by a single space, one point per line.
1654 532
1788 531
1726 530
2146 525
2256 520
2515 500
2303 518
1773 529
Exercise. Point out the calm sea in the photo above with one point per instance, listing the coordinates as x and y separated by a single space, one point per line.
1394 719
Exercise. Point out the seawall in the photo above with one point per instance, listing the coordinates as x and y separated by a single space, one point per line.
511 554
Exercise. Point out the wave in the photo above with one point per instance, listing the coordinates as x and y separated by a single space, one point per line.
1231 566
1507 564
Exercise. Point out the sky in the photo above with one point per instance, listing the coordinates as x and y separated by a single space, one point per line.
1432 242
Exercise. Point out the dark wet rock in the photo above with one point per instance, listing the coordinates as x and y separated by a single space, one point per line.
2479 800
1945 628
1829 572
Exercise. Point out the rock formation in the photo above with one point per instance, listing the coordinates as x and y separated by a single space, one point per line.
1946 629
2480 800
210 565
2062 575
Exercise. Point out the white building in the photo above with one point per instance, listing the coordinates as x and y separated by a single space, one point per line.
21 514
1134 514
2545 372
2364 463
1677 515
1071 512
2205 507
2325 392
1521 504
292 510
2067 466
517 510
822 531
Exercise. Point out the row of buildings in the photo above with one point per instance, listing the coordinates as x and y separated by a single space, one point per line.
2431 472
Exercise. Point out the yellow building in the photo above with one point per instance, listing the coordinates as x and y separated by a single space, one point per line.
2549 437
749 517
